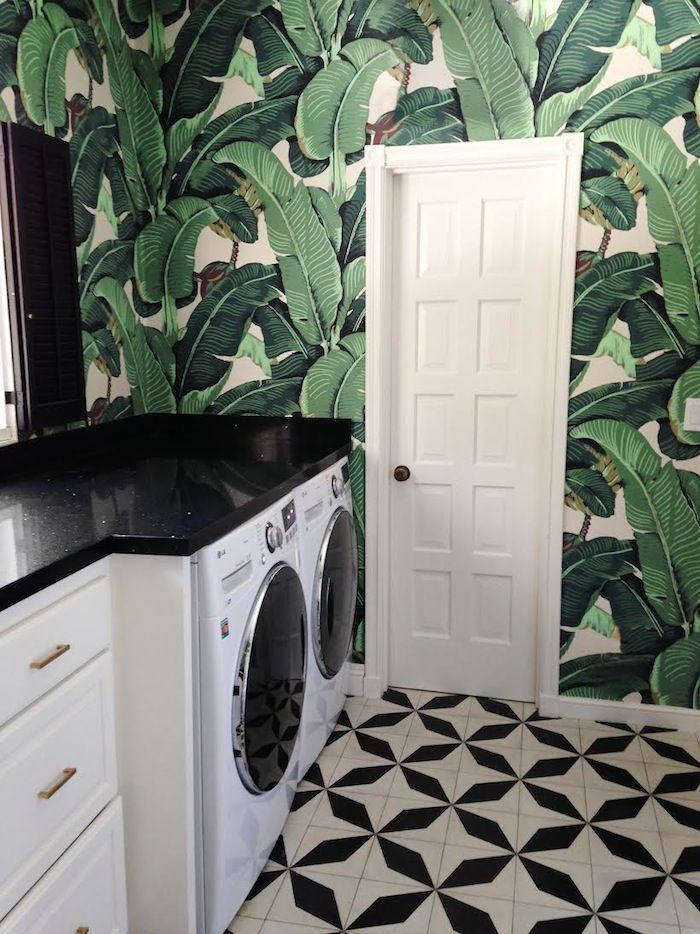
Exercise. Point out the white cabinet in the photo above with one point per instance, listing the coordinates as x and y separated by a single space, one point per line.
58 772
39 652
58 767
84 890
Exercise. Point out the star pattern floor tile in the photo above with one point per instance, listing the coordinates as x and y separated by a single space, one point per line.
437 813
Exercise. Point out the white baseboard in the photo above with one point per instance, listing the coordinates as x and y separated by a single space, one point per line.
362 685
677 718
374 686
356 679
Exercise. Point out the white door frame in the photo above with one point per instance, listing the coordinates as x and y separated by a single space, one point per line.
563 154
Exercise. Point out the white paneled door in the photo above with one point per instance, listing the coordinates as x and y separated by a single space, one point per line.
476 257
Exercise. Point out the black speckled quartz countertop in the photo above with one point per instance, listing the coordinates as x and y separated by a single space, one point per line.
161 485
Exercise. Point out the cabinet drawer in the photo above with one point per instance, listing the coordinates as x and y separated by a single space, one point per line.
43 649
57 772
84 890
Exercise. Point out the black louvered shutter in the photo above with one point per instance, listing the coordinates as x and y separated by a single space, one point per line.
42 279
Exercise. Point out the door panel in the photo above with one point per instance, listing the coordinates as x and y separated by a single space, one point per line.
475 273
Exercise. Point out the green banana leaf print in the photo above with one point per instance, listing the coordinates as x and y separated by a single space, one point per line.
220 208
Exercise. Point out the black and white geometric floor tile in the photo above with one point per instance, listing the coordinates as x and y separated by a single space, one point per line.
432 813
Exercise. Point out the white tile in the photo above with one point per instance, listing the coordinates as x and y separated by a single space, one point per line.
558 724
369 891
259 906
500 710
566 801
610 728
650 840
438 786
491 763
639 927
605 878
550 766
369 776
499 911
613 773
336 814
502 815
354 704
383 722
379 705
494 733
488 792
436 725
549 834
375 747
379 866
435 753
292 835
686 747
567 881
681 819
675 844
662 777
409 820
284 927
305 804
337 742
342 889
462 708
241 925
322 837
326 763
553 735
414 698
592 739
355 715
688 914
474 830
471 871
525 917
615 805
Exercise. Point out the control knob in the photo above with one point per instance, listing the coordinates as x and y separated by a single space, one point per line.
273 537
337 486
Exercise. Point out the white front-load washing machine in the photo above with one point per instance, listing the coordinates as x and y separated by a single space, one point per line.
329 573
252 633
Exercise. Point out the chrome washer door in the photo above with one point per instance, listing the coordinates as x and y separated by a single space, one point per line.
335 590
268 692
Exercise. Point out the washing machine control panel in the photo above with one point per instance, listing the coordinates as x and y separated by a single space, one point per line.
275 534
273 537
289 516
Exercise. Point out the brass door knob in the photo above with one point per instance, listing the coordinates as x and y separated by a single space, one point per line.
401 473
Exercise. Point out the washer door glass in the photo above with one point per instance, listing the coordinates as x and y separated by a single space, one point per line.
269 690
336 588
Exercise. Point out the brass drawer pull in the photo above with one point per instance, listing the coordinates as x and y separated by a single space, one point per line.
82 931
57 652
49 792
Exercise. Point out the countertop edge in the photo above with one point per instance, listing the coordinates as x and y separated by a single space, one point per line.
16 591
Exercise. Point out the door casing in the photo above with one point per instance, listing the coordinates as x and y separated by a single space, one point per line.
563 155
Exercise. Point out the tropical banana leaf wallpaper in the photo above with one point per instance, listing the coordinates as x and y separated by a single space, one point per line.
220 211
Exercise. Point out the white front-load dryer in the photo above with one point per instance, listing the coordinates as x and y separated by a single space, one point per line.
329 573
252 627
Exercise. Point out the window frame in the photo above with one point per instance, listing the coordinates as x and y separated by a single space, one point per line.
8 413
